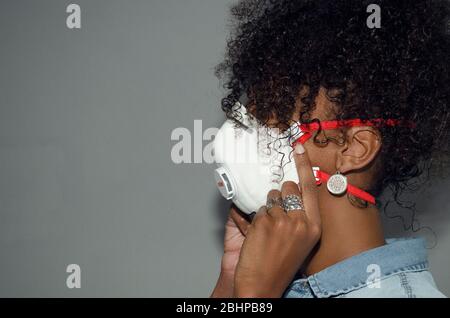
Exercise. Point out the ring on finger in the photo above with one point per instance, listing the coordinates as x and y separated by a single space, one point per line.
274 201
293 202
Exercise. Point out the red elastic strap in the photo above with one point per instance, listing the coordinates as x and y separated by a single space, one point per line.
357 192
307 129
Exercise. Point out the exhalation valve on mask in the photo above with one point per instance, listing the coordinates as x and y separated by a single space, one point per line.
253 159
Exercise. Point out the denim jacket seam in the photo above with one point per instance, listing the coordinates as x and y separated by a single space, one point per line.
423 266
405 285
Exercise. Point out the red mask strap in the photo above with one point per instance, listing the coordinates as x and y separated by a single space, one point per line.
308 129
357 192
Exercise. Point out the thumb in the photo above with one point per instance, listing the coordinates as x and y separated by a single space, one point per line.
238 218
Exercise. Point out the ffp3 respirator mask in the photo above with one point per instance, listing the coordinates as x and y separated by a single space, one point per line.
253 159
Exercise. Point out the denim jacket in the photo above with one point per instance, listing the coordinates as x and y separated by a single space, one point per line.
398 269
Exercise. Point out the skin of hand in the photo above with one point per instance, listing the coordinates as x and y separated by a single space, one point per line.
278 242
235 230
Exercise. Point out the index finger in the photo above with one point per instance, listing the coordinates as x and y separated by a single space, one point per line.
308 184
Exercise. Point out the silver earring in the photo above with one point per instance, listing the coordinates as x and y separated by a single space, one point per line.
337 184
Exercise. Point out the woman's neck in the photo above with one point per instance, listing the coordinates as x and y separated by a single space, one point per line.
347 230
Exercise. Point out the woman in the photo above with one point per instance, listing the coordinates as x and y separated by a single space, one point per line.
321 63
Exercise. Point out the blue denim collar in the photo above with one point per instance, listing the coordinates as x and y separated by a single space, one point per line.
397 255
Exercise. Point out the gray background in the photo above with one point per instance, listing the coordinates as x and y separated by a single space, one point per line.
86 175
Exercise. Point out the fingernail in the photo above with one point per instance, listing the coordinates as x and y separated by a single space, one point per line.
299 149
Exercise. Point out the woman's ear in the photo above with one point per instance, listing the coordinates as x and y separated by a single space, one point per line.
361 147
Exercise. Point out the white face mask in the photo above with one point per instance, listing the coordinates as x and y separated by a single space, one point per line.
252 161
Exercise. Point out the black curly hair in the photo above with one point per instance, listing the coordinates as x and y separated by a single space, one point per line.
399 71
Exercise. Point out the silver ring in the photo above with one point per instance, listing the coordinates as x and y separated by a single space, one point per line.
271 202
293 202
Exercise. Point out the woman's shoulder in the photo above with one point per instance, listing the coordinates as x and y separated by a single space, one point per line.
413 284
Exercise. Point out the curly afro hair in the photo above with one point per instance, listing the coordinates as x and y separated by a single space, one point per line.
398 71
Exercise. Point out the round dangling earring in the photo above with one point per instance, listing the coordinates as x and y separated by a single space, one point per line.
337 184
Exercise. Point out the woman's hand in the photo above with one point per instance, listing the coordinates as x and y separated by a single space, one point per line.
277 242
235 230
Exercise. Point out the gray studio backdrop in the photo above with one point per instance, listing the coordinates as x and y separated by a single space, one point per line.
86 174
